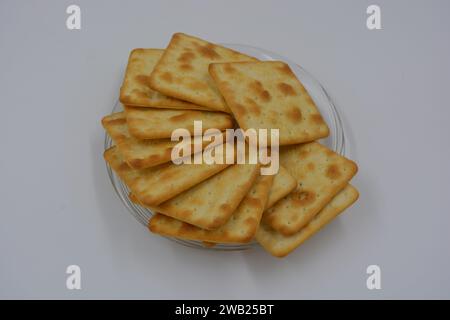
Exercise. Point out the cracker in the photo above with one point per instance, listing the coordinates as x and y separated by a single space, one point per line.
279 245
135 90
320 174
135 200
151 123
210 204
139 154
155 185
240 228
182 71
283 184
267 95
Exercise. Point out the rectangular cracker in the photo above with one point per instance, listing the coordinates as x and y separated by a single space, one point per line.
280 245
283 184
152 123
182 71
139 154
320 174
210 204
135 90
268 95
240 228
155 185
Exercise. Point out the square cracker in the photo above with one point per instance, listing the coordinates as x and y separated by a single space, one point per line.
320 174
135 90
240 228
155 185
280 245
152 123
139 154
267 95
210 204
182 71
283 184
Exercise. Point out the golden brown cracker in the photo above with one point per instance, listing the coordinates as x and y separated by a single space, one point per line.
267 95
135 90
210 204
320 174
155 185
280 245
283 184
152 123
240 228
182 71
139 153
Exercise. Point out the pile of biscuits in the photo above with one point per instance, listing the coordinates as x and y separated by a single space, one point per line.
195 80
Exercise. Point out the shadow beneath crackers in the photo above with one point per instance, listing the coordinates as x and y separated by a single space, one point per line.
355 226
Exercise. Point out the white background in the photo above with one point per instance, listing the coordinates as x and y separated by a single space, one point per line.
58 206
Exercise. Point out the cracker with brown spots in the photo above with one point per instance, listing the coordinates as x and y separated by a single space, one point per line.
210 204
320 174
152 123
283 184
280 245
155 185
135 90
206 244
240 228
267 95
139 154
182 71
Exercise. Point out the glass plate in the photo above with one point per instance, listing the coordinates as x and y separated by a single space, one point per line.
335 141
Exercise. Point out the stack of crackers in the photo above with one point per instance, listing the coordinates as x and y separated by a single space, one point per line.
195 80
